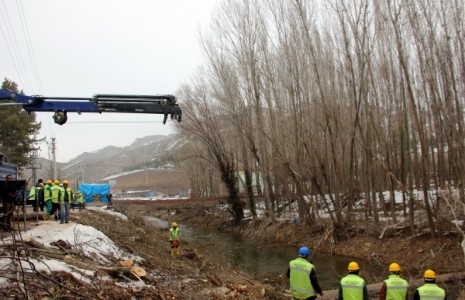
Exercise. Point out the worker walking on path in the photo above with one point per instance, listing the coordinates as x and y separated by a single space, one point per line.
429 290
394 287
352 286
174 238
303 282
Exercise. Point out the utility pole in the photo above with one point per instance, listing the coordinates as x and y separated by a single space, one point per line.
54 160
33 166
146 177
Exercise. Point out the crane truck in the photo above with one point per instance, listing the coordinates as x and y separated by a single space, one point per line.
99 103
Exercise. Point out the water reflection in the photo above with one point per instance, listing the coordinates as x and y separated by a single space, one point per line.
269 259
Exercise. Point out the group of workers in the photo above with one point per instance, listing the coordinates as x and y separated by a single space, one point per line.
303 282
57 199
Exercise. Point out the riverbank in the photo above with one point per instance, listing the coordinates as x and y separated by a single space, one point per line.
92 257
414 253
199 272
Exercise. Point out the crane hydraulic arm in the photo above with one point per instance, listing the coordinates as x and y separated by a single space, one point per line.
146 104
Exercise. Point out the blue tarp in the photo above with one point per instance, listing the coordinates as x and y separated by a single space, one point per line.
92 189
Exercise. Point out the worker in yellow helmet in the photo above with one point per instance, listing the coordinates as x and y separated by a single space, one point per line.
429 290
394 287
352 286
174 238
66 199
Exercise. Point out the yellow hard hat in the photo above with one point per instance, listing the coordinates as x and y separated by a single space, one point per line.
49 181
56 181
65 181
353 266
394 267
174 224
429 274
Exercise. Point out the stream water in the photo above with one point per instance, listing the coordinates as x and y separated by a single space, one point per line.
269 260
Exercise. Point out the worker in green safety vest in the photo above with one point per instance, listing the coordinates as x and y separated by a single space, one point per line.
79 200
65 202
430 290
56 196
48 197
394 287
174 238
352 286
303 282
32 195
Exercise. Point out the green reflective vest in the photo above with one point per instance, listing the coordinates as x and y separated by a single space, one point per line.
38 193
32 193
174 233
299 279
47 193
396 287
69 192
55 190
431 291
352 287
79 197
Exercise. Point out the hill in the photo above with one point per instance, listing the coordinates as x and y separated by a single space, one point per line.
146 164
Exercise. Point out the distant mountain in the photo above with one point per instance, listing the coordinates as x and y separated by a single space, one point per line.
145 155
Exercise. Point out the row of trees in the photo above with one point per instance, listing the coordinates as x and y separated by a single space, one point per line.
18 130
341 99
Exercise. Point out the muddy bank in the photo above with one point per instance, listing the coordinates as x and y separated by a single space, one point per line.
414 253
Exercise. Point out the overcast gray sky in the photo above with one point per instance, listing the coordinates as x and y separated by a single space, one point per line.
81 48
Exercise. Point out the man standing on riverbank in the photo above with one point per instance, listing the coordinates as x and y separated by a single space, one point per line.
430 290
302 277
174 238
352 286
394 287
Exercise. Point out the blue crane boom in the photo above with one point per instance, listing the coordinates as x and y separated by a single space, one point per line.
147 104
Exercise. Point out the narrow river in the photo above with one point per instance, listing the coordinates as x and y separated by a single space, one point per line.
269 260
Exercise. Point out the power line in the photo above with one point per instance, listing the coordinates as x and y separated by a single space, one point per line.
16 48
11 54
29 44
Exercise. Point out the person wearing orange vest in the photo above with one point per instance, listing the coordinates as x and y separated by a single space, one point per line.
429 290
394 287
